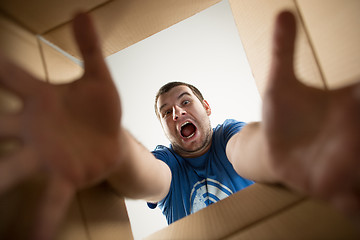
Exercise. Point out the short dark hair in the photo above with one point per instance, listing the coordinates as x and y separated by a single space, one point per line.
167 87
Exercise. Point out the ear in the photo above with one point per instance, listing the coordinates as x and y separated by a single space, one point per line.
207 107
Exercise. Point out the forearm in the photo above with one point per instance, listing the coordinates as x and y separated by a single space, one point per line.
139 174
248 152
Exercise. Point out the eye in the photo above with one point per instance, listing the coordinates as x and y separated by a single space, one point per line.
186 102
166 113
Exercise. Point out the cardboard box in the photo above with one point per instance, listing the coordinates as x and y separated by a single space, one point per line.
259 212
327 53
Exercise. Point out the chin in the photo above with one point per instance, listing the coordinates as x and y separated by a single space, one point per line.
194 149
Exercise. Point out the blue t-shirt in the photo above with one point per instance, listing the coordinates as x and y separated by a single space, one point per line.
199 182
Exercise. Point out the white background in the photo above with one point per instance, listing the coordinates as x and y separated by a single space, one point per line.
204 50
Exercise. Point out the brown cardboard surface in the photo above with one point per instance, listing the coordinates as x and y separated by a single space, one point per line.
73 226
334 29
254 20
40 16
262 212
123 23
307 219
104 213
21 47
59 68
228 216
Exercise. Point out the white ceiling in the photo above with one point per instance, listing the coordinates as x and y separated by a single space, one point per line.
204 50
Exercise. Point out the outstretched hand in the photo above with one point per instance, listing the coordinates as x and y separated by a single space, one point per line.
313 135
69 133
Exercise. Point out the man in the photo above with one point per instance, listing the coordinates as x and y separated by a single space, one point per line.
201 173
71 135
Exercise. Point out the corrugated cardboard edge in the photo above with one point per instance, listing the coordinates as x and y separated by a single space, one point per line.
231 214
59 68
334 29
255 22
308 219
124 23
96 213
73 226
39 16
261 212
104 213
21 46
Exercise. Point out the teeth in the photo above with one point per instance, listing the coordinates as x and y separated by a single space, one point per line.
184 124
191 135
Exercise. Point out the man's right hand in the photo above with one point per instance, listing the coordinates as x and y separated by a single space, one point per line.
69 133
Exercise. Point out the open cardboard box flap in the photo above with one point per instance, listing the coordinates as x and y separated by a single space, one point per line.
120 23
261 212
123 23
325 59
40 16
327 50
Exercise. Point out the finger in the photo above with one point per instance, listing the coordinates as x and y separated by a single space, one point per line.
53 208
89 45
16 79
283 47
16 167
9 126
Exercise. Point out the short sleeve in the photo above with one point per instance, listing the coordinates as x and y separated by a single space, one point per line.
164 154
228 129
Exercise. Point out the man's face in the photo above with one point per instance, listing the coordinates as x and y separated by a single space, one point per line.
185 120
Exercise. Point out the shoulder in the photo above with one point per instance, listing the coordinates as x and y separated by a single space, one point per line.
167 155
230 123
161 152
227 129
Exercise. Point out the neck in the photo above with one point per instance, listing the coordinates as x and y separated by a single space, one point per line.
196 153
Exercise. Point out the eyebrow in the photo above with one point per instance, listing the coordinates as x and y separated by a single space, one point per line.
180 96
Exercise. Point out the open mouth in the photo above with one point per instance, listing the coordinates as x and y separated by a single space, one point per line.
187 130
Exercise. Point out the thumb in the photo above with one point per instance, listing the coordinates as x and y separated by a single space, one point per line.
283 46
89 46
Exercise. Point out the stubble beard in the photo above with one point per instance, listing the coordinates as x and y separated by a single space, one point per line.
193 153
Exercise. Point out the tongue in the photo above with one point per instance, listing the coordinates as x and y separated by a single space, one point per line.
187 130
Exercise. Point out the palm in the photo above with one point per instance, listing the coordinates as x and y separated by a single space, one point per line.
76 120
69 132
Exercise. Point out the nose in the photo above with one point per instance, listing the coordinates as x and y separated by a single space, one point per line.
178 111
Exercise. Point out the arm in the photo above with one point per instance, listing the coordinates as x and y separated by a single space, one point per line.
72 137
309 138
248 153
140 175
